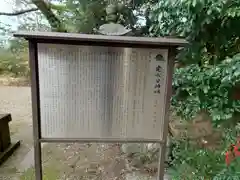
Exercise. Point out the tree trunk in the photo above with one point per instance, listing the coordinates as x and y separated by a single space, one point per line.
54 22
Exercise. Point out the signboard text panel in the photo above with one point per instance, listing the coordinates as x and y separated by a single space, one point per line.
101 92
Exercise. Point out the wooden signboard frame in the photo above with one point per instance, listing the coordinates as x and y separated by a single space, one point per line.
36 38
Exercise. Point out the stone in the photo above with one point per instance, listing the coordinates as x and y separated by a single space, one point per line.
139 176
113 29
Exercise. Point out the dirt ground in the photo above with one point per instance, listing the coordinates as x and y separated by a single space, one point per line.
60 161
80 162
17 101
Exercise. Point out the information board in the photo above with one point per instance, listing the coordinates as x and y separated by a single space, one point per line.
101 92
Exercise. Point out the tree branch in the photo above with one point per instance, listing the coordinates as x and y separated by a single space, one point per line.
18 12
46 10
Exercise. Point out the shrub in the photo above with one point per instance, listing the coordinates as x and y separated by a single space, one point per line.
194 163
209 88
16 65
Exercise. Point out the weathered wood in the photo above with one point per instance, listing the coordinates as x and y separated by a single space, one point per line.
8 152
6 147
5 140
97 40
5 117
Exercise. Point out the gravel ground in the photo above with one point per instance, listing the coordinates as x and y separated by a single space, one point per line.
17 101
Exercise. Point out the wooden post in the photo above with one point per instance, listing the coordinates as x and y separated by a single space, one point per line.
6 147
33 62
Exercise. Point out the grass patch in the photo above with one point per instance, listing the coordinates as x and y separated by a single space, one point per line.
52 165
49 174
14 128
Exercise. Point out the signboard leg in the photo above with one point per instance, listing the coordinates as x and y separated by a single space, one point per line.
167 99
33 62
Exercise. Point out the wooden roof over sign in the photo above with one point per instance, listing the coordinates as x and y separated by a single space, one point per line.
101 40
